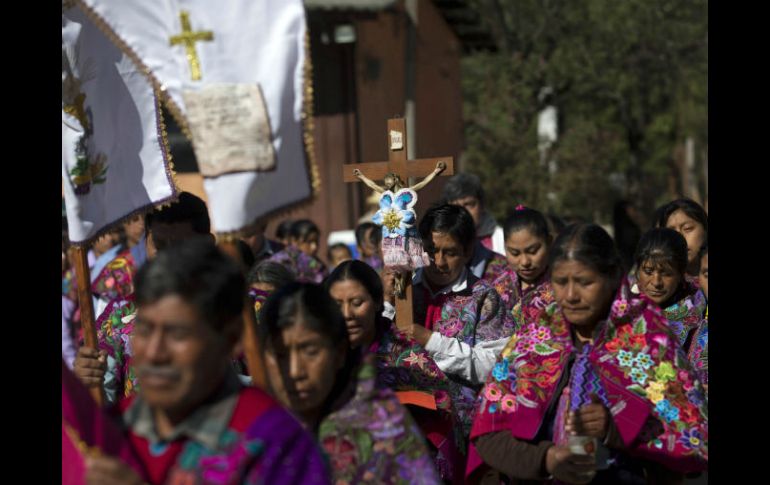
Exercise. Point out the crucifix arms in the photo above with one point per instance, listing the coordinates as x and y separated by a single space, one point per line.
369 182
440 167
392 180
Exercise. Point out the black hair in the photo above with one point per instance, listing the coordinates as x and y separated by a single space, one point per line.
188 208
247 255
704 250
363 273
588 244
450 219
201 275
302 228
283 229
662 246
688 206
336 246
555 225
320 313
272 273
463 185
362 229
529 219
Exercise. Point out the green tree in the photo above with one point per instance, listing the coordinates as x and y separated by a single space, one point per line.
629 80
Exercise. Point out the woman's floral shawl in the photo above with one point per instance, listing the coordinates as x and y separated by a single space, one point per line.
685 315
698 353
373 439
116 280
654 398
516 300
114 328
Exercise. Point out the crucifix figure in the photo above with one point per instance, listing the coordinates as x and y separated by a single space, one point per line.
401 245
188 38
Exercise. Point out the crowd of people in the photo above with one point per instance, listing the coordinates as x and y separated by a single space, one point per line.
537 352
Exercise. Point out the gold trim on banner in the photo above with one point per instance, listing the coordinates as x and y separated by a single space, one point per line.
168 164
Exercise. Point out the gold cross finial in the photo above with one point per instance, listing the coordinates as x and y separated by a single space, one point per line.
188 38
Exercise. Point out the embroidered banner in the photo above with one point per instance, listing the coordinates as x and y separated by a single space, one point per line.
114 155
189 45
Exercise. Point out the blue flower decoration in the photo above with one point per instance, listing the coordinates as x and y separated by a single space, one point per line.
396 215
662 406
691 438
500 371
638 376
626 359
672 414
643 360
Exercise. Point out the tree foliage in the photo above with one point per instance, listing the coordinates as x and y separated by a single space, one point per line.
629 79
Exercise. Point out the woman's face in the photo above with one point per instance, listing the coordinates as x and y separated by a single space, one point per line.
301 366
692 230
358 308
659 281
583 294
309 245
527 253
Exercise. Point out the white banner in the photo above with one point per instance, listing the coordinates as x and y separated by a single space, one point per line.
188 45
114 159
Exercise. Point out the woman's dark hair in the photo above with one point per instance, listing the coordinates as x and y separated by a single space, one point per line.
362 273
627 232
301 229
272 273
662 246
704 250
283 229
247 255
320 313
588 244
201 275
450 219
362 229
529 219
555 225
688 206
463 185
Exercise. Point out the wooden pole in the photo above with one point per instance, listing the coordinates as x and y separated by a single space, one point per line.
87 321
250 340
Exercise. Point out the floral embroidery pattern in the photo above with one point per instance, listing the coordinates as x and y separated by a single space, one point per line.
373 435
634 351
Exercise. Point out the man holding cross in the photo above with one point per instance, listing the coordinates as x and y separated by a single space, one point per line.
456 320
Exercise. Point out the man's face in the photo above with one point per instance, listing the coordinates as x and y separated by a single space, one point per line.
472 205
179 359
447 260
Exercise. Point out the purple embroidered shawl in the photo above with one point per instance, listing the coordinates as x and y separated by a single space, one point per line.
655 400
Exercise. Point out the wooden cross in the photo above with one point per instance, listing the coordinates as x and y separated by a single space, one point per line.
399 164
188 38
